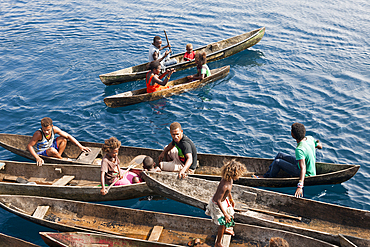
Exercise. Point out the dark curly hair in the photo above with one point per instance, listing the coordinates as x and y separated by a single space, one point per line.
299 131
232 169
111 144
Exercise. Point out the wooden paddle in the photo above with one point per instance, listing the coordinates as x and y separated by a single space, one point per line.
269 212
167 41
138 160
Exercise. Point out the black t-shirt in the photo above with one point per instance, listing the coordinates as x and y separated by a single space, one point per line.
186 146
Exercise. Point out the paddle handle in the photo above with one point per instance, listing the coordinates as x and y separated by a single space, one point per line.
115 181
167 40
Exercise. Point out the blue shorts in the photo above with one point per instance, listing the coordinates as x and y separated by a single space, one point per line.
54 145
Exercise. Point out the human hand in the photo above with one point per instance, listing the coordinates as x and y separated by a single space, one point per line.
232 203
166 53
182 174
299 192
190 77
227 218
103 191
85 149
39 161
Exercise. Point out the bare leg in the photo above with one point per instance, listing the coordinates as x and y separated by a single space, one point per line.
62 143
220 233
52 152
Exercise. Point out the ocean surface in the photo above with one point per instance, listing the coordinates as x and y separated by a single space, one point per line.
312 66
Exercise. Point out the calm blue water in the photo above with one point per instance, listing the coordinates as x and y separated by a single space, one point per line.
312 66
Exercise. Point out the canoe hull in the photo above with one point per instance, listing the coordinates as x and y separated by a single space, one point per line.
65 215
83 187
328 220
176 87
210 164
214 51
6 240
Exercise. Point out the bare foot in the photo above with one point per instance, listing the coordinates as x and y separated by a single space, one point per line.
230 231
219 245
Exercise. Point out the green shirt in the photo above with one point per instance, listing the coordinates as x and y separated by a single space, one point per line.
306 150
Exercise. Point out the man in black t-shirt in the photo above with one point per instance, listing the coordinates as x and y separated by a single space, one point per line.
181 153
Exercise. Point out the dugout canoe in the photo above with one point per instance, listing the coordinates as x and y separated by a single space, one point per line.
214 51
74 182
66 215
271 209
176 87
6 240
209 164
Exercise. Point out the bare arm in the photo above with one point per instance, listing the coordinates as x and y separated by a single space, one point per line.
188 163
71 138
164 82
165 151
103 191
223 188
299 191
37 136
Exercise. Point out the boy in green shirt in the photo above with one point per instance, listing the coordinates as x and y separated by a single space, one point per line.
303 164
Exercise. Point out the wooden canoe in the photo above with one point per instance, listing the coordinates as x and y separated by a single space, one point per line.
6 240
66 215
318 220
210 164
176 87
214 51
73 182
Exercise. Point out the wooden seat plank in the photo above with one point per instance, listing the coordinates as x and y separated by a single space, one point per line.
63 181
40 212
89 157
156 233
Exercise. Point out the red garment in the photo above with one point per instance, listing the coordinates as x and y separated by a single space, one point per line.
153 88
189 56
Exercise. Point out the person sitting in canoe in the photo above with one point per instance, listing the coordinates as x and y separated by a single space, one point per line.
303 164
110 169
180 154
154 82
189 54
221 205
149 165
156 47
202 67
43 142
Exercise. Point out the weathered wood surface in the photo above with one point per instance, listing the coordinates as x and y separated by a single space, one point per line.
176 87
84 186
214 51
210 164
65 215
319 220
9 241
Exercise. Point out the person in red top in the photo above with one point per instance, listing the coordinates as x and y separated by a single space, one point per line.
189 54
154 82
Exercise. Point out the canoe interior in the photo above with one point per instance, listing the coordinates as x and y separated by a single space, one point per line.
177 82
79 182
48 174
78 216
316 216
